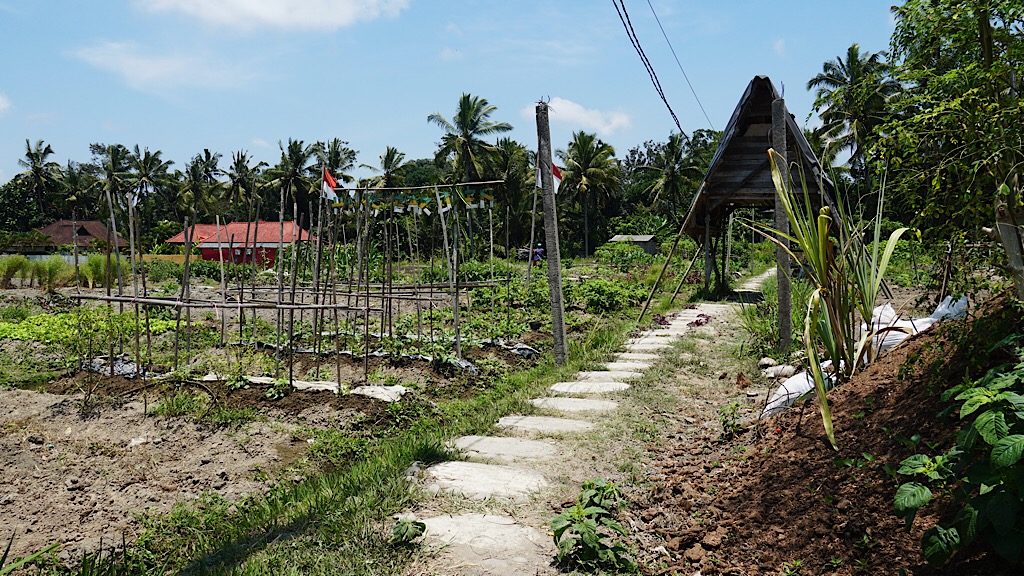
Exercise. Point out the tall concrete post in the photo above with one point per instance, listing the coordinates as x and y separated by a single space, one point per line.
551 231
782 225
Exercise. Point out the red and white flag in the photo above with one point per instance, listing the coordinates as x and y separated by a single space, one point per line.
329 184
556 177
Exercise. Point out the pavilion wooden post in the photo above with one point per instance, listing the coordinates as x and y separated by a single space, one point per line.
782 225
708 258
551 232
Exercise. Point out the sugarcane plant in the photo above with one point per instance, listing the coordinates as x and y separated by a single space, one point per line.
845 276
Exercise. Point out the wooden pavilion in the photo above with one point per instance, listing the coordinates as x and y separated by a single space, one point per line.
739 175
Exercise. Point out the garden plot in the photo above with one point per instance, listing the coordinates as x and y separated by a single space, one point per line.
80 481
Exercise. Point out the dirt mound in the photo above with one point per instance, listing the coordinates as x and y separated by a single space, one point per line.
778 499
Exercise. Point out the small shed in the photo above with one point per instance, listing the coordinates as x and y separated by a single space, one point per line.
645 241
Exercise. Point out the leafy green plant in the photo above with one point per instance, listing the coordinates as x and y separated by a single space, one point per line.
622 256
279 389
406 531
587 534
983 472
729 418
601 295
792 568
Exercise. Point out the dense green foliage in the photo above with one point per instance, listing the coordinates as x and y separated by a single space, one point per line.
588 535
983 473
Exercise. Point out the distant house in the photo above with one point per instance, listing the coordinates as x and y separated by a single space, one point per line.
89 234
242 242
645 241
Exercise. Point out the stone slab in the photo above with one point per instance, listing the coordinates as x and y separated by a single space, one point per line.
544 424
589 387
665 342
646 347
382 393
574 404
627 366
487 545
481 481
504 449
608 375
635 357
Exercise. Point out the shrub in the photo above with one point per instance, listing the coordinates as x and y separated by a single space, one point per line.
622 256
761 320
52 273
601 295
11 266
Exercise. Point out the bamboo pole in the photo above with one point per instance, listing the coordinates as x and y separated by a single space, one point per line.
661 274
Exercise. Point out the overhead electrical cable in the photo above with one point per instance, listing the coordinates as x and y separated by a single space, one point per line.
678 63
620 8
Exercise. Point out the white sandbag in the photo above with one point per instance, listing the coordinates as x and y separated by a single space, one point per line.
900 330
794 388
780 371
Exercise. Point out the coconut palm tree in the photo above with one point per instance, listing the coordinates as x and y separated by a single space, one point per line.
336 156
292 174
591 175
463 138
510 163
851 100
244 184
200 188
41 174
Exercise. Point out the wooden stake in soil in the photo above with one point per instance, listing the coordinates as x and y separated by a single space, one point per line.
782 225
551 232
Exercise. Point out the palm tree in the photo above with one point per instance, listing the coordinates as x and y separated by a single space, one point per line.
244 184
337 157
851 99
591 173
292 174
510 163
199 186
462 141
674 170
41 174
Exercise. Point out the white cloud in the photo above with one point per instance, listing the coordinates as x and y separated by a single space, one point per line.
158 73
779 47
453 29
5 103
283 14
575 115
260 143
448 54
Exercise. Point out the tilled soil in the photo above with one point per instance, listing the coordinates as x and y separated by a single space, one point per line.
777 496
80 481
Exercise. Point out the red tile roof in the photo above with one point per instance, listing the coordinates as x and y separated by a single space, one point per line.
244 233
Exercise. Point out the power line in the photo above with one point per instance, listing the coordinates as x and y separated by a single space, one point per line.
620 8
695 97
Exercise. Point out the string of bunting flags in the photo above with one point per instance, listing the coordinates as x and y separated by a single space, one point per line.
419 200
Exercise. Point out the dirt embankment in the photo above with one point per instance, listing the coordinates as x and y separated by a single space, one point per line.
779 497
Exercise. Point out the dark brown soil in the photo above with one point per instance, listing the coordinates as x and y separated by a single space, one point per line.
779 494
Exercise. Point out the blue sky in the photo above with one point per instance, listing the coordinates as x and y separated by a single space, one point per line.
183 75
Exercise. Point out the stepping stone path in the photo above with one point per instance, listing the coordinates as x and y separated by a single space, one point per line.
492 545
